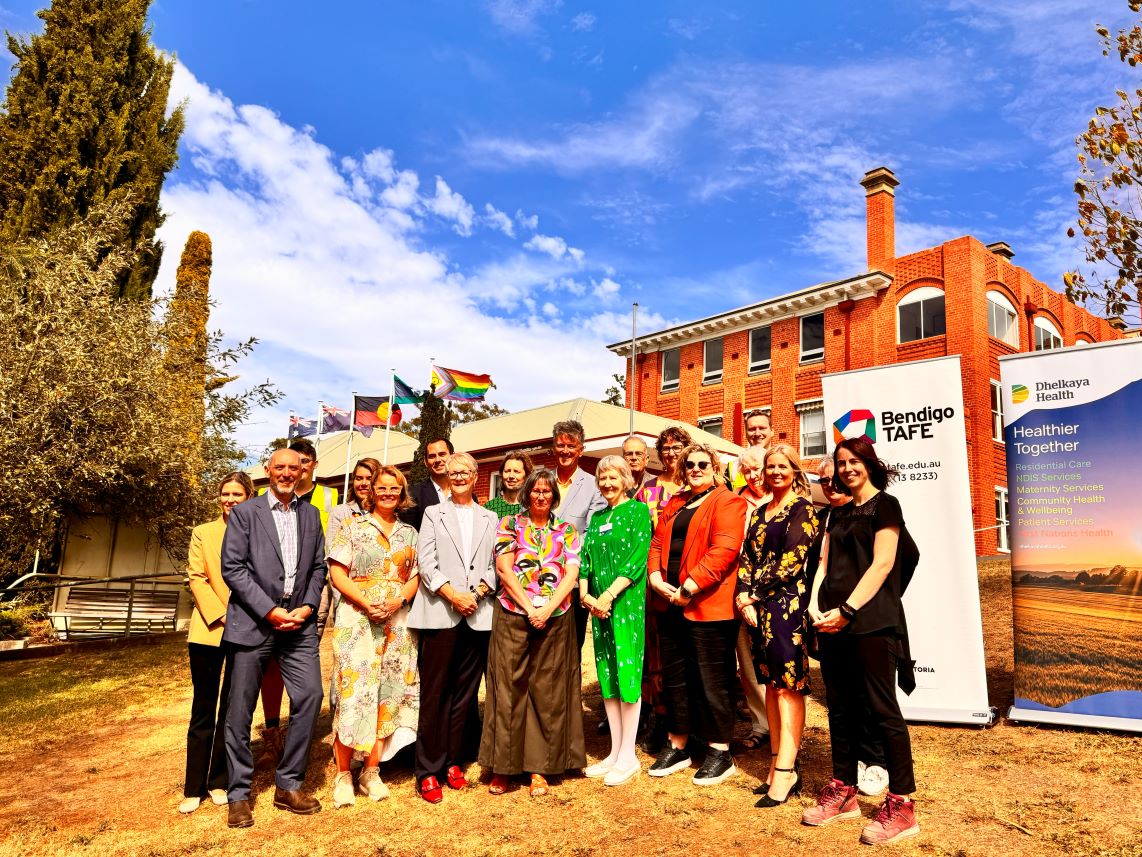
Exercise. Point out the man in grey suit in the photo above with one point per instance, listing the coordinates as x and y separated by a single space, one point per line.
273 560
580 497
452 611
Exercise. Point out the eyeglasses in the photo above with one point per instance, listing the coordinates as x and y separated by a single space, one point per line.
542 492
753 473
673 449
304 460
459 474
387 492
697 465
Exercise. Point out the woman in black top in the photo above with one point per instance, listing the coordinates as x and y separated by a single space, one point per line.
855 607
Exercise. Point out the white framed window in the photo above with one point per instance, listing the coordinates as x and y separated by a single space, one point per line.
495 486
671 365
996 411
759 344
1002 520
812 417
812 337
712 424
712 361
1047 336
920 314
1001 319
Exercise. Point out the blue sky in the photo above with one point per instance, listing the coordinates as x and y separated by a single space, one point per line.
494 183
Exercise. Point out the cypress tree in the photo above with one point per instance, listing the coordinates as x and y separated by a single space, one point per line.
84 123
434 424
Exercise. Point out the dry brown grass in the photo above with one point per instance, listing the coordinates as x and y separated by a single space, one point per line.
92 749
1073 644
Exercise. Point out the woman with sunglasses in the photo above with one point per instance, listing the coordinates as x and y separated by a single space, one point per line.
855 606
693 570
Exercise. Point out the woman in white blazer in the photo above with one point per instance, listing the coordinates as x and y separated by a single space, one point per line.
453 613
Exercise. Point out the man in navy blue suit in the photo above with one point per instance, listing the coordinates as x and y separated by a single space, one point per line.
273 560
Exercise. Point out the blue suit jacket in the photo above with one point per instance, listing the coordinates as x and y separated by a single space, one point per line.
252 568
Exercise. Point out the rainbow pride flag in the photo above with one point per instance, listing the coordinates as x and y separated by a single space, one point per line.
458 386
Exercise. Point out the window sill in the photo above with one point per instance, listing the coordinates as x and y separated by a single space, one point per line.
754 372
811 361
665 391
709 382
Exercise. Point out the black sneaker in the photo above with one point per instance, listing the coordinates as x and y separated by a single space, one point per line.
669 761
718 766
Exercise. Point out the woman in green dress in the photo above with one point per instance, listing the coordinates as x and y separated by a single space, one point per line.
612 585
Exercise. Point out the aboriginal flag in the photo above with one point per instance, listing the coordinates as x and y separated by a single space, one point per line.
373 412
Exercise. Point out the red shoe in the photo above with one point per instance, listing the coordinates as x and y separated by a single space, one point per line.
430 790
455 778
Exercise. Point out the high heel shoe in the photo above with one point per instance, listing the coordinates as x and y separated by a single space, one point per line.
763 787
795 789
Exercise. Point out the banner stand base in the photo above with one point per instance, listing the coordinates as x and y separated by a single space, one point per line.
1061 718
961 716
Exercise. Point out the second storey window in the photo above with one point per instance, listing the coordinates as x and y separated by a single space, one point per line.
712 361
920 314
759 349
996 411
670 367
1001 319
1047 336
812 337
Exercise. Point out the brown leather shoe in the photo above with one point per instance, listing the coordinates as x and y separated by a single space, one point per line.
239 815
296 802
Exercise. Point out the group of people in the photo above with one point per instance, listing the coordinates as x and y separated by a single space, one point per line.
702 585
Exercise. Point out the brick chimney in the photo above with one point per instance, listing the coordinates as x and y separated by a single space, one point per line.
880 211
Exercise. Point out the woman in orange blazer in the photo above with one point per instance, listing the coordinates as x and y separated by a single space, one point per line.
205 744
692 572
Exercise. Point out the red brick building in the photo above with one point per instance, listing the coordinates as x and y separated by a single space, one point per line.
960 297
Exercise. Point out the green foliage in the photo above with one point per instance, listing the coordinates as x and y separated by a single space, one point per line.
86 386
1109 190
19 620
616 394
84 124
434 424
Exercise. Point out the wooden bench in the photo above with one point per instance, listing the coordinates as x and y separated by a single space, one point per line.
106 611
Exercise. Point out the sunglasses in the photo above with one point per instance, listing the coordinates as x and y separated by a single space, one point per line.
697 465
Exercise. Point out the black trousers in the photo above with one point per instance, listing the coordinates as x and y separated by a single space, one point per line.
699 669
860 689
206 735
582 614
451 663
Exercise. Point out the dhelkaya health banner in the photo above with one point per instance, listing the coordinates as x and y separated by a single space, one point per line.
1074 478
914 412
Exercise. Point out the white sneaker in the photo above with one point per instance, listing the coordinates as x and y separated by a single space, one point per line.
189 805
599 769
343 789
871 779
371 785
218 797
617 776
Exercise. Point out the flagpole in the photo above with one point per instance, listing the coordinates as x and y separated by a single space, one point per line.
633 374
389 421
320 425
349 446
289 430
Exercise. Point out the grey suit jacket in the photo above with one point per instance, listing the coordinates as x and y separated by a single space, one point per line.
252 568
581 501
439 549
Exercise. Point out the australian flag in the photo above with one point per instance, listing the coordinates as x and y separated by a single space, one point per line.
299 427
333 419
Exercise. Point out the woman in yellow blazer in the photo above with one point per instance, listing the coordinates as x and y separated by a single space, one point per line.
205 744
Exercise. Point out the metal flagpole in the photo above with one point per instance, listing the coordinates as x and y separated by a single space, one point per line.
633 375
320 425
389 421
349 445
290 429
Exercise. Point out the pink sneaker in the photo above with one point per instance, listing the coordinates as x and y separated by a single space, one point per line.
836 801
896 819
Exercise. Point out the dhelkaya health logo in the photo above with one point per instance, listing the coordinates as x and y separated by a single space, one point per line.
856 423
1061 390
1019 394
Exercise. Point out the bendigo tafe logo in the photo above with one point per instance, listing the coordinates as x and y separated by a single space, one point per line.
1019 394
856 423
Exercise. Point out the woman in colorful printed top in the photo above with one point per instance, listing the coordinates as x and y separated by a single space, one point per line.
612 585
516 467
533 719
771 596
374 690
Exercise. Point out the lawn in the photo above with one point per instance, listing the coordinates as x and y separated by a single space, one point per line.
93 744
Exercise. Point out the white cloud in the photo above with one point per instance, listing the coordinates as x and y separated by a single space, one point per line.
688 29
527 222
555 247
520 17
333 287
451 206
584 22
498 220
606 290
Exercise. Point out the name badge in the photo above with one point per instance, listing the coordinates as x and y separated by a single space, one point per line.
606 528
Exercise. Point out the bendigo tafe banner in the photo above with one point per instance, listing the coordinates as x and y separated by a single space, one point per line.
914 414
1074 473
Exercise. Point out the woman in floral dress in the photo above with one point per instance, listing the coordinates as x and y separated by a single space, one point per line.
772 598
375 689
